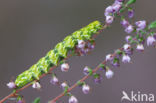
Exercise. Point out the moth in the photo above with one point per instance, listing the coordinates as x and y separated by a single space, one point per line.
56 55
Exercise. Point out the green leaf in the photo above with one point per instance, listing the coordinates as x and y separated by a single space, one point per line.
130 2
102 66
152 25
37 100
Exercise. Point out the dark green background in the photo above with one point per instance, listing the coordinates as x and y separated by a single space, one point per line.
30 28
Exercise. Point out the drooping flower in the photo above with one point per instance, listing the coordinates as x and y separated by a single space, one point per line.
128 49
126 59
109 74
81 44
54 80
109 19
36 85
97 78
109 57
85 89
116 6
130 13
19 101
73 99
115 62
11 85
141 25
64 85
108 10
140 47
64 67
124 23
129 29
150 40
87 71
128 38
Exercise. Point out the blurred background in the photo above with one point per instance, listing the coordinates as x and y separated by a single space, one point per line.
30 28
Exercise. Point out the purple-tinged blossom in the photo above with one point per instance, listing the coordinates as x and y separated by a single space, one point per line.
119 0
128 38
86 70
98 80
85 89
109 10
127 47
20 101
126 59
109 57
11 85
124 23
64 67
116 7
54 80
150 40
154 36
109 74
129 29
64 85
131 13
115 64
81 44
36 85
141 25
140 47
73 99
109 19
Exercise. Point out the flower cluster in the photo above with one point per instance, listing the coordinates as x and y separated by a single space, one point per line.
111 10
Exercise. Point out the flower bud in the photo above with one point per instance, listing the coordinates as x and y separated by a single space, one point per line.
150 40
129 29
109 74
73 99
11 85
85 89
36 85
140 47
64 67
109 19
126 59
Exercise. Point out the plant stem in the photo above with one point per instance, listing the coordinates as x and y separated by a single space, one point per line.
13 94
81 80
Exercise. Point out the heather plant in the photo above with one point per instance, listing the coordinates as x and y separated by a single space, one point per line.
81 43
